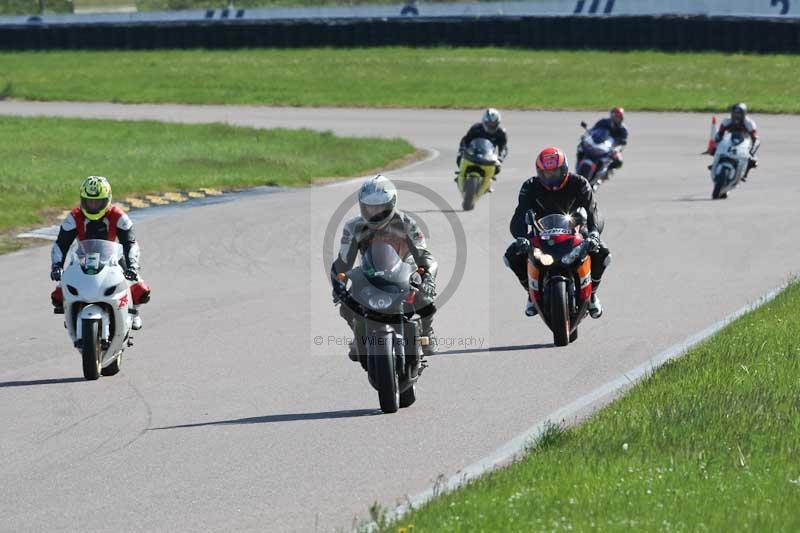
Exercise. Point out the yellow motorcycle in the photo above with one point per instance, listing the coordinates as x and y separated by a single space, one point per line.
477 169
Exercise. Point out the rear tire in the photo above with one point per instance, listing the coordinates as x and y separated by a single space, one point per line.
381 362
559 313
408 396
470 189
573 336
113 368
90 349
716 194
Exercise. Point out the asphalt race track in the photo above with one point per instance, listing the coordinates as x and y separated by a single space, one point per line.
238 408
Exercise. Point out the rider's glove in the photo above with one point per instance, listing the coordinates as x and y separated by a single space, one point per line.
55 273
522 245
593 241
339 290
428 286
131 274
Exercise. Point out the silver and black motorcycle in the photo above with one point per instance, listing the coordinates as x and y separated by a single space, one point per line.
595 154
382 292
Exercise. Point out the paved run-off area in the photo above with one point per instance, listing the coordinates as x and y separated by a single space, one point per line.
228 415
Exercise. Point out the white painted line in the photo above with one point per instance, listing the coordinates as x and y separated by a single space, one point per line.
517 445
434 154
50 233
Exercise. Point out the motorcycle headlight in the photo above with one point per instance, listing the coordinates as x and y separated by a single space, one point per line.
379 301
543 258
111 290
72 290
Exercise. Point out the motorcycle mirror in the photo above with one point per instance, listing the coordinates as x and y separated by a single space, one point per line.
583 124
530 217
580 217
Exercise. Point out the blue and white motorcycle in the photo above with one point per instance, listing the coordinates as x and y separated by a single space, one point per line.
730 163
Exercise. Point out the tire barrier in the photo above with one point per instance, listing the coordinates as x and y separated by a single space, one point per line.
668 33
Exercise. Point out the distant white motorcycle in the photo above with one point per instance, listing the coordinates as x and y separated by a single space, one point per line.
730 162
97 306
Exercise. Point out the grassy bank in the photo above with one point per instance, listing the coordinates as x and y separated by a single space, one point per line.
404 77
44 160
31 7
710 442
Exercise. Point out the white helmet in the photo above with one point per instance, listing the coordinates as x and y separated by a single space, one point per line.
491 120
377 199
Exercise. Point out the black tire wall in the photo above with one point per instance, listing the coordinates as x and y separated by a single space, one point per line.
604 33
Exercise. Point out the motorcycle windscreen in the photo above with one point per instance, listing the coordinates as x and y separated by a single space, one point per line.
556 224
737 137
481 152
601 143
95 254
381 263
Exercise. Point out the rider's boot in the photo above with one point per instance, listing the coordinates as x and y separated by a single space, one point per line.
595 307
491 185
353 344
751 164
530 309
426 330
136 323
57 299
353 353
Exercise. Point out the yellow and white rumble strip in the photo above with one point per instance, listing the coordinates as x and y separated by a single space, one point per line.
130 203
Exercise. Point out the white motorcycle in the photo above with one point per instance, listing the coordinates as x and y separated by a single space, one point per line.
97 306
730 162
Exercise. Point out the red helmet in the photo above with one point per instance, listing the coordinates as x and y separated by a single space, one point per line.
552 168
617 114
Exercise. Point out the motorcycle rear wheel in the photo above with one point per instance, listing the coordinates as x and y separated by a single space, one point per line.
90 349
113 368
559 313
408 396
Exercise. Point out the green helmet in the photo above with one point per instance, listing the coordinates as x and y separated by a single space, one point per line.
95 197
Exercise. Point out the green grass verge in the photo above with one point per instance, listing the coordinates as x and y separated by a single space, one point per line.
31 7
709 442
102 5
44 160
405 77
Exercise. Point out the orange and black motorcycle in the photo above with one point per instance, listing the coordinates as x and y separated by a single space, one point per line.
559 272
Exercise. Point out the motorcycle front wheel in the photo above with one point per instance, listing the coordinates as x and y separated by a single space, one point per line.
90 348
559 312
382 369
470 190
